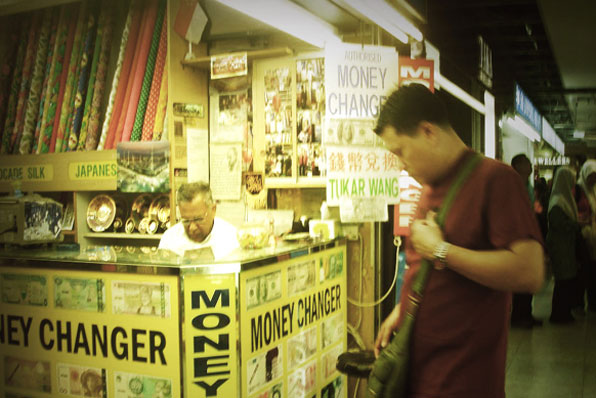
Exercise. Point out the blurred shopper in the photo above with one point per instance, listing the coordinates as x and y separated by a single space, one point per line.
521 304
561 242
541 197
490 246
587 217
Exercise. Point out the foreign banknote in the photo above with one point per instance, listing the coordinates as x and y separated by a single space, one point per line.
129 385
141 298
24 289
79 294
81 381
29 374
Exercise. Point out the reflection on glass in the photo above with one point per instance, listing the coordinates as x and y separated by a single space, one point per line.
310 113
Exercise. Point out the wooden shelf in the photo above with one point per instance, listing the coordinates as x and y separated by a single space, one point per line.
120 235
205 62
69 232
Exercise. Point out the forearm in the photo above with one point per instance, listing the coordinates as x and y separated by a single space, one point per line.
519 269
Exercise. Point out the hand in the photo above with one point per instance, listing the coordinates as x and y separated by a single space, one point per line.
388 326
426 235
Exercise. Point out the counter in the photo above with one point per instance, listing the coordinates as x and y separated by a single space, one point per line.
139 322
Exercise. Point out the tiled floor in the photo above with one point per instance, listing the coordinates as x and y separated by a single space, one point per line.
552 361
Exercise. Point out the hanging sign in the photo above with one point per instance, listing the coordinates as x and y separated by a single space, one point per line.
527 110
229 65
420 71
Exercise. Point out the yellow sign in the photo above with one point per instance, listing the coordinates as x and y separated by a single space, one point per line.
88 333
294 318
102 170
210 334
41 172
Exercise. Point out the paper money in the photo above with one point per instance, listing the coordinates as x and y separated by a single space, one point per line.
273 392
301 347
302 381
332 330
128 385
81 381
301 277
79 294
252 292
29 374
24 289
138 298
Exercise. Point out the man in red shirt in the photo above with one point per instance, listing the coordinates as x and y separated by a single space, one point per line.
491 245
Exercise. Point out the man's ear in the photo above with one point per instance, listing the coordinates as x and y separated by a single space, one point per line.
428 130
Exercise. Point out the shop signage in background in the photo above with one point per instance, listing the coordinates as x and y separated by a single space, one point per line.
358 80
419 71
98 170
188 110
527 110
39 172
63 333
210 335
404 211
485 63
552 161
361 173
229 65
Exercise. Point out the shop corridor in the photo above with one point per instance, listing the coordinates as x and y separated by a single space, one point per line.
552 361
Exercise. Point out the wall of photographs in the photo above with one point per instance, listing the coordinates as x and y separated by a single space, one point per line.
88 334
293 316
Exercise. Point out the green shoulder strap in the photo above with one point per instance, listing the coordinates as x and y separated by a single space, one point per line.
462 176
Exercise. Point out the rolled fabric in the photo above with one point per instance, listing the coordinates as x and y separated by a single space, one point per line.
83 79
23 95
127 93
139 73
160 62
45 91
64 75
92 78
100 82
13 97
23 143
71 80
47 127
113 91
15 36
137 128
162 106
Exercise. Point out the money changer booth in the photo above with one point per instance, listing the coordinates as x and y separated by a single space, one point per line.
263 323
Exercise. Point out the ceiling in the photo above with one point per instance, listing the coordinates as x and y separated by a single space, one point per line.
546 46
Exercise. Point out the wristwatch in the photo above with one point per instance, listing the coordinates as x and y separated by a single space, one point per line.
440 252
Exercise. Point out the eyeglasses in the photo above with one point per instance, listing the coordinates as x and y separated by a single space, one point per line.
196 220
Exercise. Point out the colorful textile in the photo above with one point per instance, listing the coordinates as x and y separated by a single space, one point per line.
45 91
160 62
117 72
162 106
123 81
100 82
23 143
149 18
23 94
9 57
71 81
149 70
13 98
83 79
47 126
91 80
64 75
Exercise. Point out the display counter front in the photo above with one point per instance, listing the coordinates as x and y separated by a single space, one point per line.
139 322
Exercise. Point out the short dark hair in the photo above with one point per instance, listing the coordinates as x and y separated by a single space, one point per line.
407 106
187 192
518 160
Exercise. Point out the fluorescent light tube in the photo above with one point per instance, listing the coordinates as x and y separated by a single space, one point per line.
290 18
523 127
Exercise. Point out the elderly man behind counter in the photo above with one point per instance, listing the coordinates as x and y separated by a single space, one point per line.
198 226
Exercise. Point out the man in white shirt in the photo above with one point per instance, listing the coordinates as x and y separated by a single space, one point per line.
198 226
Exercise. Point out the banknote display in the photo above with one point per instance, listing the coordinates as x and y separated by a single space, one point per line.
274 392
329 360
264 368
301 347
263 289
302 382
141 298
331 266
24 289
29 374
301 277
81 381
129 385
332 330
85 294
